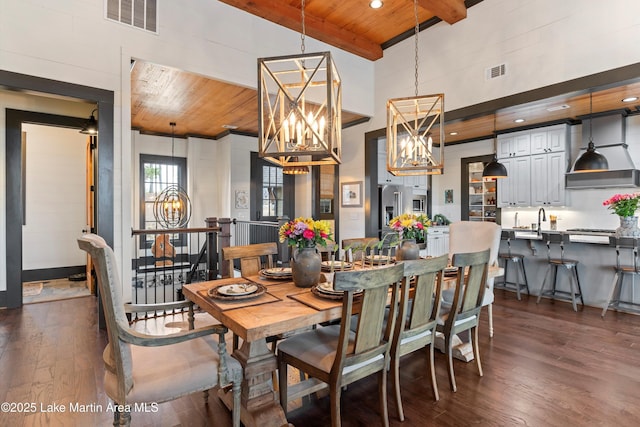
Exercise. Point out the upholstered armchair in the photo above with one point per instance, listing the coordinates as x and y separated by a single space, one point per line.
141 368
473 236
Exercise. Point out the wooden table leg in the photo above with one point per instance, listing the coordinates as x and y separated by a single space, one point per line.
260 406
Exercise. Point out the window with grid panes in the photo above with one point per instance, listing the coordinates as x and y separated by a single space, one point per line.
156 174
272 191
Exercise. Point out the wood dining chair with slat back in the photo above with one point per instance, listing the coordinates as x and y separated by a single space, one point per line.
418 313
473 236
336 356
464 313
252 259
356 249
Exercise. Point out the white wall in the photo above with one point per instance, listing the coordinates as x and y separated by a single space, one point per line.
55 205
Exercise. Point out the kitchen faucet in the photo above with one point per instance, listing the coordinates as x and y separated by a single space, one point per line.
544 218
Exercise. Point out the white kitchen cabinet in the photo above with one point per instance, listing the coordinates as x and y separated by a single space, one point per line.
384 177
514 144
437 241
417 182
515 190
547 185
550 139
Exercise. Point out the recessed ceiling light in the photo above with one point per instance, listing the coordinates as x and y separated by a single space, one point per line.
630 99
375 4
518 120
558 107
230 127
453 133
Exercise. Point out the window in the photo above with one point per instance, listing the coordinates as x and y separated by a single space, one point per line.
272 191
156 174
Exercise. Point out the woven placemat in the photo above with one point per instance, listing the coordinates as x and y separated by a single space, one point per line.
228 304
319 303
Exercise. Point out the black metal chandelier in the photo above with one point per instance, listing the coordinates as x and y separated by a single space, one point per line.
172 206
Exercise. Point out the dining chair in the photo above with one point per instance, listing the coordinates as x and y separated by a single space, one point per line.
415 326
335 356
474 236
252 258
464 313
142 368
356 249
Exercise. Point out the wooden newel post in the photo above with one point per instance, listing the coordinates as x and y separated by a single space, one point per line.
224 240
212 248
283 248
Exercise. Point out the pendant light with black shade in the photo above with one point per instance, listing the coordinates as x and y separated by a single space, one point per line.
591 160
91 127
494 169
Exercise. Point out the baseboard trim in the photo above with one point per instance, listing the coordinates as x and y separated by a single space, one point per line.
51 273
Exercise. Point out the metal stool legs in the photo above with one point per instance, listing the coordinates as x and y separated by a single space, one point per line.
520 271
617 284
575 289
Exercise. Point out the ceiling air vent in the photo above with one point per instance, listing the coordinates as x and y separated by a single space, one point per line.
141 14
497 71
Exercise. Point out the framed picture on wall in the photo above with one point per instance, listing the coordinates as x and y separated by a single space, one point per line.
242 199
351 194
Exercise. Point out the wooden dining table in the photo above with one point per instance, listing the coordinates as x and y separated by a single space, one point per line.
281 309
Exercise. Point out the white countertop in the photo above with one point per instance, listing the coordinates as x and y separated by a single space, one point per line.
577 237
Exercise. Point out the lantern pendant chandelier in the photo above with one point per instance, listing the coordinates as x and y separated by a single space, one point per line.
172 207
299 108
415 125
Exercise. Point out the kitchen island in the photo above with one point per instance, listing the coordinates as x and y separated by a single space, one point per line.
596 261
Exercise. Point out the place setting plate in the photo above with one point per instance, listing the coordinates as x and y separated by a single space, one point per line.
450 271
237 291
278 273
336 266
325 290
379 259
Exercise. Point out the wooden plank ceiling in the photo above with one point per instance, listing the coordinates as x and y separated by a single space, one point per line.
208 108
204 107
352 25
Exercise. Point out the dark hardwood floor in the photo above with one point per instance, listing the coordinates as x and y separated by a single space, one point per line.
545 366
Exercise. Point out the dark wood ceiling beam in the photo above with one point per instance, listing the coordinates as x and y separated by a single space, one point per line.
281 13
450 11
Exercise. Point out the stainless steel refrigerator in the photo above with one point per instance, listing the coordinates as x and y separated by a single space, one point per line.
394 200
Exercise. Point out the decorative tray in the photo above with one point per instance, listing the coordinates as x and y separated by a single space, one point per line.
237 291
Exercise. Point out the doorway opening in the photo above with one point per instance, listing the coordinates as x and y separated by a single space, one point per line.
57 200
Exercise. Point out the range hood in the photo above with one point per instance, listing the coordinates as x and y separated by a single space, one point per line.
609 137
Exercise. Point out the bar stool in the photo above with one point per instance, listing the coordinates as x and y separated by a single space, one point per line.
630 246
518 260
570 264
